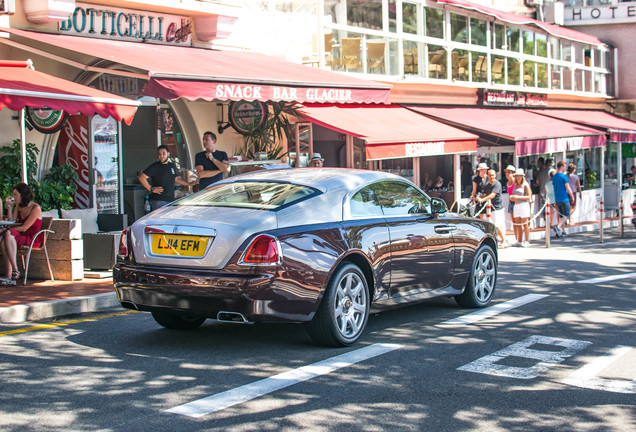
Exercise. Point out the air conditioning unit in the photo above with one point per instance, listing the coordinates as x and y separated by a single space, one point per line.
554 12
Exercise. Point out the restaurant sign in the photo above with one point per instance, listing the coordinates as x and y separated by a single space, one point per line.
399 150
46 120
126 24
511 99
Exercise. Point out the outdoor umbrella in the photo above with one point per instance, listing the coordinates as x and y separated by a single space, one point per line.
21 86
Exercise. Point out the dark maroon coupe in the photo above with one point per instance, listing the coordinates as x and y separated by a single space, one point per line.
321 246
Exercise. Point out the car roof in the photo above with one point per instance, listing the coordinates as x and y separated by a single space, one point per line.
320 178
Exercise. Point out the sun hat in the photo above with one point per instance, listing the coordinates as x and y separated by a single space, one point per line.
519 171
482 166
510 168
316 156
552 170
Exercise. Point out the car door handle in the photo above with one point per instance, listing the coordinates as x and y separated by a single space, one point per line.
443 229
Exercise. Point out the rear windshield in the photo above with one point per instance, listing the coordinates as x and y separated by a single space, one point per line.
257 195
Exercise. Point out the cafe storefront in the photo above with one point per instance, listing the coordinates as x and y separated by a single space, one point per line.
165 61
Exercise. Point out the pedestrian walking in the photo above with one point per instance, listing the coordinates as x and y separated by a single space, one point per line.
521 196
210 163
575 185
562 196
159 179
510 186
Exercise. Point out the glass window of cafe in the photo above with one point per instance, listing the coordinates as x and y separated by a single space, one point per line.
426 41
587 162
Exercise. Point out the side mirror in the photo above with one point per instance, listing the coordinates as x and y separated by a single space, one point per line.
438 205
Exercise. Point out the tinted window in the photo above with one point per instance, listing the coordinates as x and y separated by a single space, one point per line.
365 204
401 199
258 195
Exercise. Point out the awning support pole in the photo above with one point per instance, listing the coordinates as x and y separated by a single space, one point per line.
23 145
458 179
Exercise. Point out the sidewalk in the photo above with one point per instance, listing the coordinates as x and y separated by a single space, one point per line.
50 299
47 299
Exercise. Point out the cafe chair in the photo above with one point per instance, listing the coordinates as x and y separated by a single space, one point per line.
375 56
25 251
351 53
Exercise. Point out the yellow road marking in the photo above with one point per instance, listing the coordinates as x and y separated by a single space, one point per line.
63 323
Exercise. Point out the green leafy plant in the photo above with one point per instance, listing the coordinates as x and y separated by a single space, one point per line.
267 138
57 188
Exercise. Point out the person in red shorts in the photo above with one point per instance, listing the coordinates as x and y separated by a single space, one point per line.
24 211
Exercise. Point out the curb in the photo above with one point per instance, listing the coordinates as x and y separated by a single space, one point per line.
56 308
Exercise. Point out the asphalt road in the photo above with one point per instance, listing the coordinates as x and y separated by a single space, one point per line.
558 352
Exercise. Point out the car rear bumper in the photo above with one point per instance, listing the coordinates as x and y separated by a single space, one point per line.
258 297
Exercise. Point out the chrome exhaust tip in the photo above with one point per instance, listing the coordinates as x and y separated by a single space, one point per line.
129 305
232 317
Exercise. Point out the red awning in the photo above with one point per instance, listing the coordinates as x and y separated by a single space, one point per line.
530 133
21 86
618 128
196 73
553 29
391 131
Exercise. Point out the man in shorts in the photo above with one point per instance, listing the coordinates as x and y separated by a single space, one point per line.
492 192
562 196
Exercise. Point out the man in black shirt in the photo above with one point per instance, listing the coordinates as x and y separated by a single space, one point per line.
162 175
210 164
492 192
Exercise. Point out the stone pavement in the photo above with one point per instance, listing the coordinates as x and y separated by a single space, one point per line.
40 300
50 299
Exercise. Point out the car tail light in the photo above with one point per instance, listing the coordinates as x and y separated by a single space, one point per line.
264 249
123 244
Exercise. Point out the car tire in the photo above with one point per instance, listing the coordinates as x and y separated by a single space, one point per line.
176 321
344 309
481 281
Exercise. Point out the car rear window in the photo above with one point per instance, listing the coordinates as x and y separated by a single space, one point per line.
257 195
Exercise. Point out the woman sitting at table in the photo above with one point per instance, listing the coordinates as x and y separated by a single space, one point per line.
27 213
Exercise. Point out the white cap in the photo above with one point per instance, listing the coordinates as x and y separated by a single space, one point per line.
482 166
316 156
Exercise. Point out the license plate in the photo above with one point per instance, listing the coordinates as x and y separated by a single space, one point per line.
179 245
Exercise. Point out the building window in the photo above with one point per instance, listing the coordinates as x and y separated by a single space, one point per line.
459 61
459 28
528 42
497 70
434 22
365 13
528 73
514 71
478 32
436 61
566 50
541 41
409 18
480 67
556 77
499 36
512 39
555 48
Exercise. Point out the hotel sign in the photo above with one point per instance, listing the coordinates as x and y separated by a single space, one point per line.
600 14
126 24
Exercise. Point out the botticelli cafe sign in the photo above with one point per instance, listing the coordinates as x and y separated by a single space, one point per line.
46 120
246 116
125 24
512 99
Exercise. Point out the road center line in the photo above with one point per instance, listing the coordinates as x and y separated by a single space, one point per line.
608 278
494 310
245 393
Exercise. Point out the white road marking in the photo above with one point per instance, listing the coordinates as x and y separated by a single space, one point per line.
494 310
585 377
245 393
546 359
220 401
608 278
